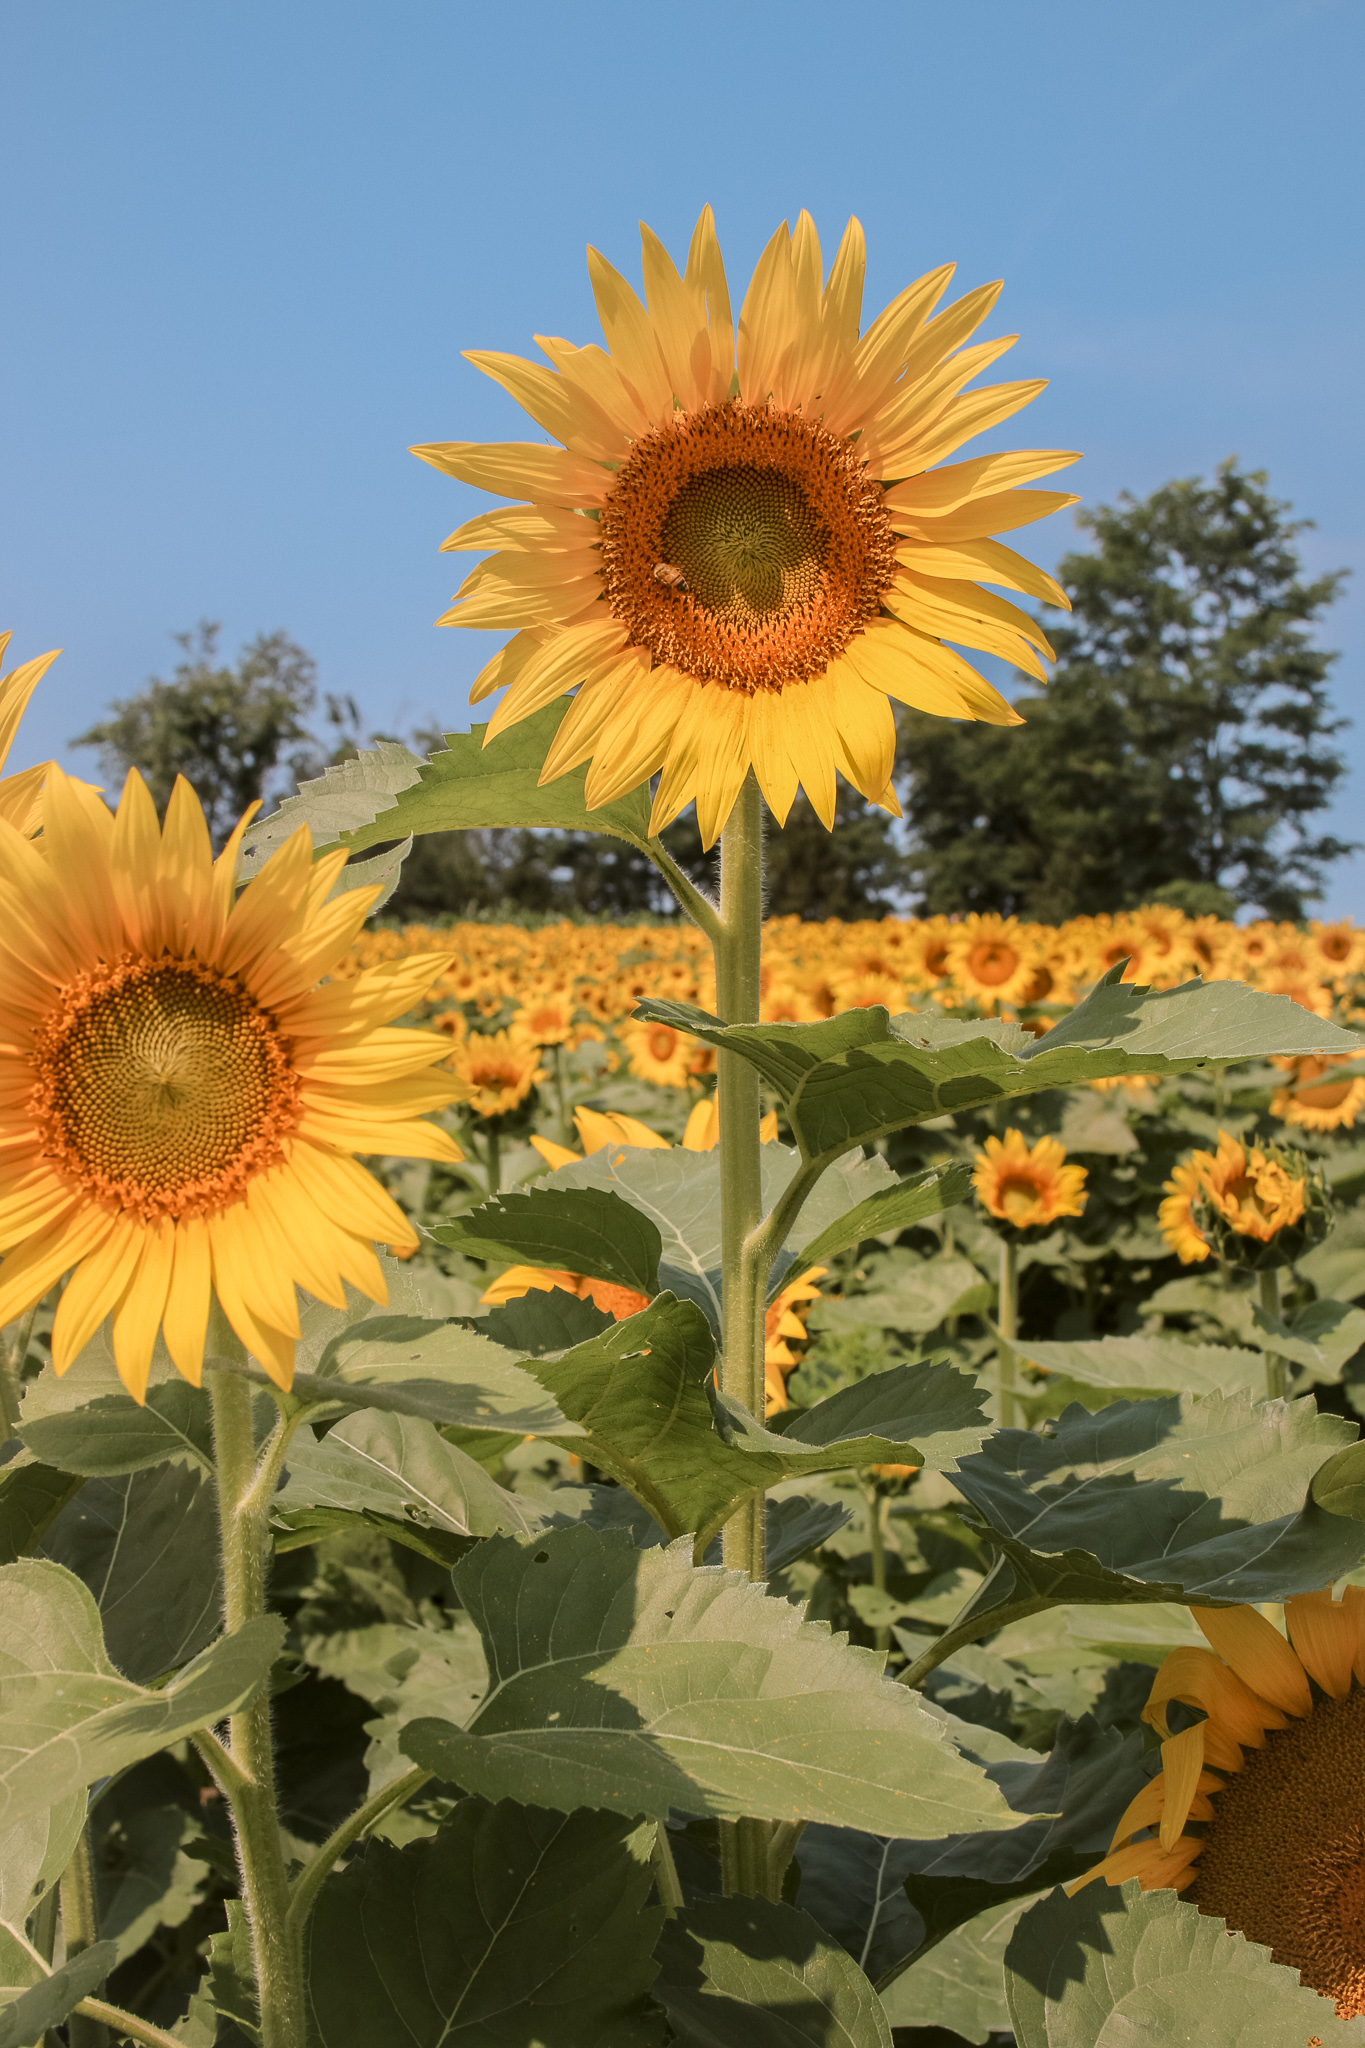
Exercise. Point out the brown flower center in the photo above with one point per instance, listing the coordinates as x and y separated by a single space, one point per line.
745 546
992 963
1284 1860
162 1087
1021 1199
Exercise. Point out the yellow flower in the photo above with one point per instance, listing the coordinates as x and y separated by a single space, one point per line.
657 1052
617 1302
21 795
1337 950
742 552
784 1324
1256 1811
1314 1102
1028 1185
498 1068
545 1016
991 960
1175 1218
179 1096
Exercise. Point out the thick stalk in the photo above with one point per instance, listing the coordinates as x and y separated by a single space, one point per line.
80 1925
1276 1378
243 1505
738 950
1008 1327
876 1528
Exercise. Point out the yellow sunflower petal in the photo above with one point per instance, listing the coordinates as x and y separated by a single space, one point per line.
187 1303
1328 1637
137 1317
1254 1648
1182 1766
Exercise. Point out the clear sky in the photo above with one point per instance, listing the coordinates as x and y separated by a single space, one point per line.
244 243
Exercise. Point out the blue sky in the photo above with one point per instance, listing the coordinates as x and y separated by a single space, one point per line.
243 246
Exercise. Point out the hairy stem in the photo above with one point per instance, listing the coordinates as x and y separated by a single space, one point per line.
699 908
970 1631
738 952
1008 1327
1276 1377
245 1486
876 1526
311 1878
125 2024
80 1924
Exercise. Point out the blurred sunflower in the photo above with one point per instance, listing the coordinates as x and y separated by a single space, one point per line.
179 1099
1253 1192
741 552
1255 1816
657 1052
546 1016
1027 1186
1316 1102
992 960
498 1069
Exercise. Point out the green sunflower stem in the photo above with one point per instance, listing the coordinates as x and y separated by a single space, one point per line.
243 1508
1276 1378
1008 1327
80 1924
876 1529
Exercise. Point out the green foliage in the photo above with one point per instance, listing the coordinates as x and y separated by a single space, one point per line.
1184 746
49 2001
225 729
748 1973
578 1230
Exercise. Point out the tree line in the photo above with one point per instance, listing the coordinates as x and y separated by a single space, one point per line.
1183 751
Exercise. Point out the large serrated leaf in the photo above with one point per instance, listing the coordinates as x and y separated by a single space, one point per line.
84 1420
1109 1967
412 1365
922 1194
509 1925
67 1717
347 795
748 1973
1175 1499
632 1681
47 2003
856 1077
926 1414
1153 1365
471 784
575 1230
32 1495
959 1985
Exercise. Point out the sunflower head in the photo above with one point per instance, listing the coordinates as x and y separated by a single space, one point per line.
1314 1100
1254 1207
784 1324
498 1070
1255 1815
993 961
742 551
1027 1187
180 1099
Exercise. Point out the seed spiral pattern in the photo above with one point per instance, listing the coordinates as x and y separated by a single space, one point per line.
162 1087
744 546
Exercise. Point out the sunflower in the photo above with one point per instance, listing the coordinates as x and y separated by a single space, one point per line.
783 1325
657 1052
1254 1206
498 1068
179 1099
1257 1809
21 796
1316 1103
1337 950
617 1302
741 552
1028 1185
1175 1216
992 960
545 1016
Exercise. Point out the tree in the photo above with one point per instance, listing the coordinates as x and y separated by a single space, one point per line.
225 729
1183 748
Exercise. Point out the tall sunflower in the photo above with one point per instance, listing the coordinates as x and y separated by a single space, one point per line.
741 551
179 1098
1256 1815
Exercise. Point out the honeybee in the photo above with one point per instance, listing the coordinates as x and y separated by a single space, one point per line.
664 572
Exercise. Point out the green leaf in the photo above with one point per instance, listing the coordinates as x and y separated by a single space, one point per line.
1339 1485
85 1422
232 1977
922 1194
1321 1337
143 1878
67 1717
346 795
747 1973
31 1498
629 1680
1175 1499
575 1230
546 1320
402 1475
53 1999
384 869
410 1365
926 1414
916 1295
469 785
509 1925
37 1848
856 1077
960 1983
146 1544
1153 1365
1109 1966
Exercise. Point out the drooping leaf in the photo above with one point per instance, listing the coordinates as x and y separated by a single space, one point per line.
1174 1499
632 1681
404 1477
410 1365
1134 1965
382 870
859 1076
748 1973
575 1230
508 1925
67 1717
1153 1365
471 785
53 1999
146 1544
32 1495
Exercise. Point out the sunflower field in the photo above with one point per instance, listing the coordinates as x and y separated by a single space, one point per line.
712 1483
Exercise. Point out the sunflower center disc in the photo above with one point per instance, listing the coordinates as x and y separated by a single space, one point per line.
162 1087
1284 1861
744 546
